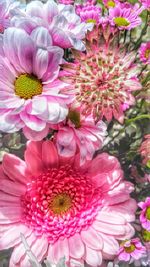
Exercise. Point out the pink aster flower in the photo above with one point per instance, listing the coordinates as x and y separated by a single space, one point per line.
80 133
125 16
131 250
103 80
145 213
5 7
89 13
145 150
144 52
64 25
145 4
31 96
63 209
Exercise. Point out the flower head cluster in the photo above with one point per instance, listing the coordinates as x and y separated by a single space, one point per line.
103 80
63 209
131 250
144 52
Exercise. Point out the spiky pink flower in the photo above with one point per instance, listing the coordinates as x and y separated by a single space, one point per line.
145 150
5 7
144 52
145 213
103 80
131 250
80 133
61 208
63 24
31 96
125 16
89 13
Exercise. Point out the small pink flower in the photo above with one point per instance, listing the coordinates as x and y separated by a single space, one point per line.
144 52
110 3
145 213
89 13
80 134
125 16
62 209
31 95
145 150
131 250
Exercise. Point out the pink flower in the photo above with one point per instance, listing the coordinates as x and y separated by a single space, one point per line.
64 25
63 209
66 2
5 7
80 134
125 16
31 96
144 52
145 3
131 250
89 13
145 213
145 150
110 3
103 80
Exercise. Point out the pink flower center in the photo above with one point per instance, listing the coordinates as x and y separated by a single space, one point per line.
60 202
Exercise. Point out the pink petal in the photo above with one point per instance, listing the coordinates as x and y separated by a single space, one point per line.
35 136
59 250
49 154
15 189
76 247
8 215
111 246
108 228
41 37
105 217
93 258
33 161
91 239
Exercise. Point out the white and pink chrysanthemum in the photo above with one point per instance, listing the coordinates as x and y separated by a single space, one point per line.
125 16
80 133
31 96
131 250
89 13
145 213
63 209
5 7
103 80
63 24
145 150
144 53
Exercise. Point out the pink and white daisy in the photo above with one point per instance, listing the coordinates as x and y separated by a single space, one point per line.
144 53
145 150
31 96
103 80
89 13
63 24
5 7
131 250
125 16
80 133
63 209
145 213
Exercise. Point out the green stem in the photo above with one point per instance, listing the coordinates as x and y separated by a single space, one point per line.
143 116
143 32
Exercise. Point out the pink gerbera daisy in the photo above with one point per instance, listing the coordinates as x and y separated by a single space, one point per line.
125 16
63 209
103 80
145 213
144 52
31 96
131 250
79 133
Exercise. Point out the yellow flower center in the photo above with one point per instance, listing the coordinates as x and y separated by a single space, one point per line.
74 116
148 213
91 21
146 235
129 249
27 86
147 53
61 203
121 22
111 4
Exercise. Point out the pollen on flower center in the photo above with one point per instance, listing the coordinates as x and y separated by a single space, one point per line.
148 213
27 86
121 21
91 21
60 203
147 53
129 249
74 117
111 4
